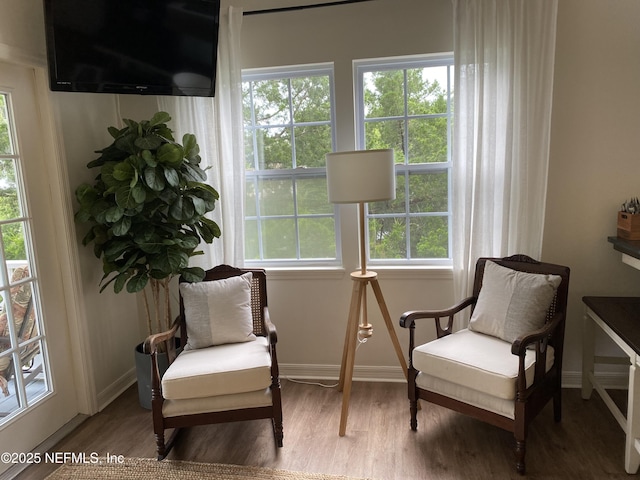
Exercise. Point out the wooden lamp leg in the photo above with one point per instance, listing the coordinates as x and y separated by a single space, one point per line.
387 320
349 354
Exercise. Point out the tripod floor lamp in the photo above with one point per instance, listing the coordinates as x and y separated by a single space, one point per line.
360 177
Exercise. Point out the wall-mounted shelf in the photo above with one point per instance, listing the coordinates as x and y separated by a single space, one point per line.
630 250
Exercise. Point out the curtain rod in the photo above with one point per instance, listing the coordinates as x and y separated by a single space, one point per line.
303 7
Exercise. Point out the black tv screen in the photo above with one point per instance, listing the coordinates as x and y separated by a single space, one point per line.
153 47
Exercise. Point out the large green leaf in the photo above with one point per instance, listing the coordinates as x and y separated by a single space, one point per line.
191 148
137 283
116 248
149 157
131 124
123 171
125 197
107 176
193 274
203 186
121 227
172 176
182 209
208 229
170 154
149 142
199 204
114 132
194 173
188 242
86 194
120 281
139 193
159 118
114 214
169 261
83 215
154 178
126 143
164 132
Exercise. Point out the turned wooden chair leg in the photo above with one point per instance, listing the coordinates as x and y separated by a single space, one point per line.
520 453
165 448
557 405
160 446
413 409
278 432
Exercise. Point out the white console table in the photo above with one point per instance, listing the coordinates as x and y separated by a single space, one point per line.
619 318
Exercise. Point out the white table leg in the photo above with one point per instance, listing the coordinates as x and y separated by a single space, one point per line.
631 455
588 352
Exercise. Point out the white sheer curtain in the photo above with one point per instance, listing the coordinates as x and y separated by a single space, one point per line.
504 57
217 125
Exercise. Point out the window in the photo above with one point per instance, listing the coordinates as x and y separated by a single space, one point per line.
288 127
24 374
407 105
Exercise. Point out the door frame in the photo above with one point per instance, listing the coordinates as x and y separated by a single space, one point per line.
65 238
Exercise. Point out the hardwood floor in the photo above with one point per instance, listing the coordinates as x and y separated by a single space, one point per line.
587 444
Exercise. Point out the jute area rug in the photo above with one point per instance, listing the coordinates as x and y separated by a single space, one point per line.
146 468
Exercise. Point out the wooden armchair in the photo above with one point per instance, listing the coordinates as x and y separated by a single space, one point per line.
236 378
506 366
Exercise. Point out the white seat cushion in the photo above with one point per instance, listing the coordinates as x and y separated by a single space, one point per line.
221 403
476 361
220 370
482 400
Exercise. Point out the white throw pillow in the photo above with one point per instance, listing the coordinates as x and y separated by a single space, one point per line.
218 312
512 303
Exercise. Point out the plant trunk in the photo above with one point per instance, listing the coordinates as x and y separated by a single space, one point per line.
161 306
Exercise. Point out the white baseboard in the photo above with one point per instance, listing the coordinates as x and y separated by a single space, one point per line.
609 380
572 379
113 391
332 372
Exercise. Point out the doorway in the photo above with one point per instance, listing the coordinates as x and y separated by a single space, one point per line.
37 388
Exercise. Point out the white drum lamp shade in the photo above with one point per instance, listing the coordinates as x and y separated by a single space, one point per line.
361 176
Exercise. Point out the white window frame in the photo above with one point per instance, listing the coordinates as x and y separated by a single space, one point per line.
296 173
400 63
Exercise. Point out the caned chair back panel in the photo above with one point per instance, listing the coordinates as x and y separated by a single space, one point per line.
527 264
258 293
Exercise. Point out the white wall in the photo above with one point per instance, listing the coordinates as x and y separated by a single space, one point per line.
112 320
595 145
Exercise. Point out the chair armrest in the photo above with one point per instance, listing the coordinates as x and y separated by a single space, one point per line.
520 344
270 328
153 341
407 320
539 338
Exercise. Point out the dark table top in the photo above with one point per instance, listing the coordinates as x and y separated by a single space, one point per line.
630 247
622 314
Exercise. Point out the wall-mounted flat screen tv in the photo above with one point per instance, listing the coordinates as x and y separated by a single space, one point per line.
153 47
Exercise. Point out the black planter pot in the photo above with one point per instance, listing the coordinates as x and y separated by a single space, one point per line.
143 373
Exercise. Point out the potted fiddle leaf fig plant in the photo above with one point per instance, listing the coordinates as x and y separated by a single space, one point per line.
146 212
